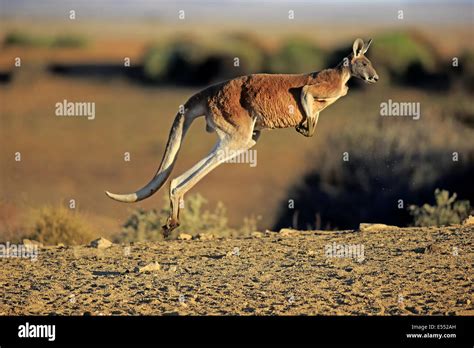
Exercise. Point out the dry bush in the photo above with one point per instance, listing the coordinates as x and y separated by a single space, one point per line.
11 226
395 160
54 225
143 225
447 211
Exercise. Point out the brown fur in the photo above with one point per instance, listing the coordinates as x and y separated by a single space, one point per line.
274 99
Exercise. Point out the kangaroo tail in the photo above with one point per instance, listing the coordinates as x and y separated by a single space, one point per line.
178 130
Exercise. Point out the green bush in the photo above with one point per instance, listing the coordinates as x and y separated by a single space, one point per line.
187 62
249 51
69 41
24 39
397 51
155 62
161 61
297 56
145 225
447 211
53 225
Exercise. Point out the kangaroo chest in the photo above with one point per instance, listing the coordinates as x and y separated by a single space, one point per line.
321 104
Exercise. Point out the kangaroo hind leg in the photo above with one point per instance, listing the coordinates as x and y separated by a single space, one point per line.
226 148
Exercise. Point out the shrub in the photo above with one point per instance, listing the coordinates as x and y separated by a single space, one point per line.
24 39
447 211
459 108
466 62
11 227
385 164
145 225
174 61
467 69
297 56
398 51
249 51
69 41
53 225
186 62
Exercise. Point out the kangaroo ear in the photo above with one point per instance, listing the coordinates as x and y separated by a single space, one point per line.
357 47
366 46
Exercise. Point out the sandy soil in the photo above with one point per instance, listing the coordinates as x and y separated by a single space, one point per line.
400 272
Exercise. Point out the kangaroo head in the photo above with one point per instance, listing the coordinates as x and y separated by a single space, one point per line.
361 67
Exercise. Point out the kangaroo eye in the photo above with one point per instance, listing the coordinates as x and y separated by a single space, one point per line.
364 63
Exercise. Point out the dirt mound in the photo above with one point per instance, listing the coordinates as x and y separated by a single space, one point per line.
383 271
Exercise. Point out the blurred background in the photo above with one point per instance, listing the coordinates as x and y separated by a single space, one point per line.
139 60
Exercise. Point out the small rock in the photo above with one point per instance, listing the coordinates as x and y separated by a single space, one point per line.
169 268
365 227
412 309
185 236
287 232
101 243
420 250
205 236
429 249
257 234
469 221
154 266
29 242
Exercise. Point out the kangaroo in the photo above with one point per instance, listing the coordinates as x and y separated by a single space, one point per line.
239 109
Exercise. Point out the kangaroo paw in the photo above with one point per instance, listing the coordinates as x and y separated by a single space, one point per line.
170 225
302 128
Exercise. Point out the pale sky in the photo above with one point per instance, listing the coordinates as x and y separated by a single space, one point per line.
372 12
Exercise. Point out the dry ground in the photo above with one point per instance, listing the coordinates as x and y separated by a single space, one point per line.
403 272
